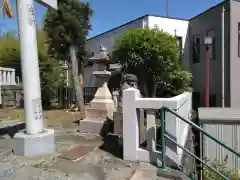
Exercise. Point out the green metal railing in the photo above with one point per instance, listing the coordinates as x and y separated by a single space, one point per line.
164 136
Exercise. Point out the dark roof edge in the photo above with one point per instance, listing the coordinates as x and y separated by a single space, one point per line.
217 5
176 18
141 17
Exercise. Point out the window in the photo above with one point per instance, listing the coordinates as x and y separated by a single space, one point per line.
196 49
212 48
179 44
196 100
238 39
213 100
89 63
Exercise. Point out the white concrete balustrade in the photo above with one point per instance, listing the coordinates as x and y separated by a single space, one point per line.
176 128
7 76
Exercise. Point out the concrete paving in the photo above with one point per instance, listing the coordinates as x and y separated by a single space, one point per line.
96 165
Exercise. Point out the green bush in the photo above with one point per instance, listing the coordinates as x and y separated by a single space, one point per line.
208 174
154 56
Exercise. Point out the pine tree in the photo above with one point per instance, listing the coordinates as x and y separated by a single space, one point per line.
67 29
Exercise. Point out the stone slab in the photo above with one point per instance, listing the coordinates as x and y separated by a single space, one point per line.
76 153
94 126
96 165
118 122
34 145
100 114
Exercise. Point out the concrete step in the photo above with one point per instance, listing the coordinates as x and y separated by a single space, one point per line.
149 174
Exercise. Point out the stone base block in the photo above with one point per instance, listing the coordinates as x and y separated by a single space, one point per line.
102 104
96 126
101 114
118 123
34 145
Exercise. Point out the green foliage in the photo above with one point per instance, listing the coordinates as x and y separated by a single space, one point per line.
69 25
154 56
10 53
220 167
50 68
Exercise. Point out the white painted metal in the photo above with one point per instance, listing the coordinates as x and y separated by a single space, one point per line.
30 67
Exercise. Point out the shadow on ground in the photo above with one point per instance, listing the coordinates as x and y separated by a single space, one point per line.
12 130
113 144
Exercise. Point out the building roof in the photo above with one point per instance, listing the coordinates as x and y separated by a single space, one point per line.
176 18
141 17
209 9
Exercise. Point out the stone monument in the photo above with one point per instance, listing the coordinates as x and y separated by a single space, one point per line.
128 80
102 106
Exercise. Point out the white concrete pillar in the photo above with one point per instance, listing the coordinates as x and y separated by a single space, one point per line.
18 80
130 124
151 130
13 78
115 98
4 78
30 66
9 78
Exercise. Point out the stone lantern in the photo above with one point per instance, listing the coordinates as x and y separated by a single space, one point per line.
102 105
103 98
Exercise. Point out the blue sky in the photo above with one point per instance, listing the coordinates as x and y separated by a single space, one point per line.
111 13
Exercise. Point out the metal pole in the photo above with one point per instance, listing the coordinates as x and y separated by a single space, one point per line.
223 58
163 138
164 167
30 67
207 76
166 8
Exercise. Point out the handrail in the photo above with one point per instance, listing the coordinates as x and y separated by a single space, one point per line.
203 131
194 156
163 136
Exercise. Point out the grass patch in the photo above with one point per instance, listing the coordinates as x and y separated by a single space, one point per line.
49 115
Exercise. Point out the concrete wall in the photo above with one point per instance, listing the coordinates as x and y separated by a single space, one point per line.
235 60
199 25
223 124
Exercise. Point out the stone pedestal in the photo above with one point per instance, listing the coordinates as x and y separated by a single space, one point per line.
99 113
34 145
97 121
118 121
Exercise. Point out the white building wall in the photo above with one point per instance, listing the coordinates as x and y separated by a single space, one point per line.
176 27
172 26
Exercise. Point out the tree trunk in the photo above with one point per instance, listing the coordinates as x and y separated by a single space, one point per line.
154 90
75 78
